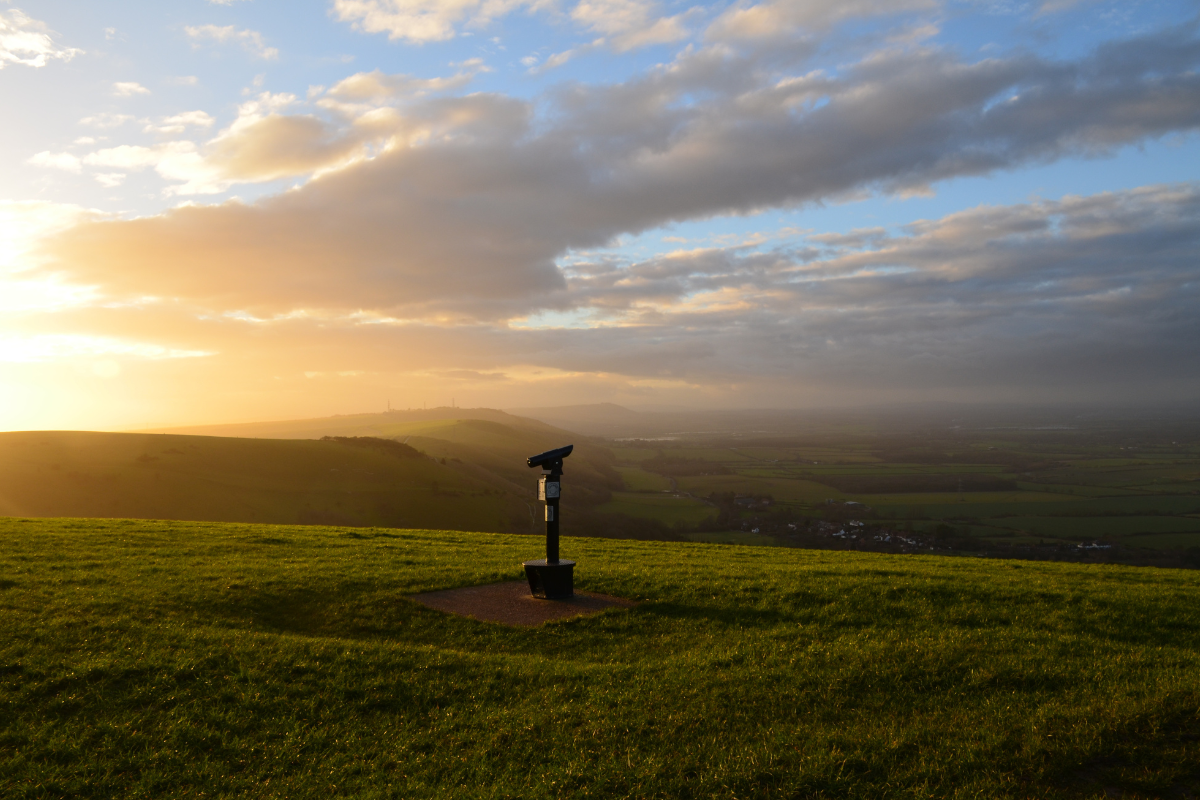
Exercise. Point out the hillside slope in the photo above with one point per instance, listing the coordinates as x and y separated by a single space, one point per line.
493 445
163 476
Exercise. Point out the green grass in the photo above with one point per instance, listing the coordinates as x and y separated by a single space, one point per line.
1091 527
639 480
905 469
146 659
732 537
1075 489
1165 541
959 498
666 508
792 491
632 455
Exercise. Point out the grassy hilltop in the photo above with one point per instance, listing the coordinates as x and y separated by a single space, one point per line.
151 659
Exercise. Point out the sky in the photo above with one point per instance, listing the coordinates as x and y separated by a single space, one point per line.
237 210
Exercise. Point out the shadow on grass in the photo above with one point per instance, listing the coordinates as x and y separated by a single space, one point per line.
728 617
1154 755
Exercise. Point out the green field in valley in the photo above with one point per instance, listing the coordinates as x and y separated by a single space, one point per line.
668 508
1081 527
796 491
732 537
639 480
1133 485
174 659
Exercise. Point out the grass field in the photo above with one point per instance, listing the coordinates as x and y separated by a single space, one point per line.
1063 482
960 498
639 480
786 490
145 659
1170 541
1095 527
731 537
667 508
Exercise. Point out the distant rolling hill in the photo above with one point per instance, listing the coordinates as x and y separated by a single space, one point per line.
420 470
386 424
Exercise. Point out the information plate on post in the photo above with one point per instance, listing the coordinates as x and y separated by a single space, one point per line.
548 489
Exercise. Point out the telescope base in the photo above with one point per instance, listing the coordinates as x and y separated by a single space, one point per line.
551 580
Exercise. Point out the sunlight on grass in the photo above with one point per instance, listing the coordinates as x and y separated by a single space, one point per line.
169 659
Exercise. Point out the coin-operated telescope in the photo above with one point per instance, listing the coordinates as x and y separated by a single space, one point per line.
550 578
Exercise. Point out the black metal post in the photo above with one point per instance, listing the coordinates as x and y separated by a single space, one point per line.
552 484
553 578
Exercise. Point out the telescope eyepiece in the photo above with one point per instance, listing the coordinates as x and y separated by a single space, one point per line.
550 457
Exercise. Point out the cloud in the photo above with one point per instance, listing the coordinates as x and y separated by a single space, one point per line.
177 161
420 21
556 60
50 347
442 238
251 41
460 207
378 87
779 19
264 143
105 120
132 156
1074 299
26 41
63 161
260 145
129 89
987 262
629 23
625 24
24 223
179 123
